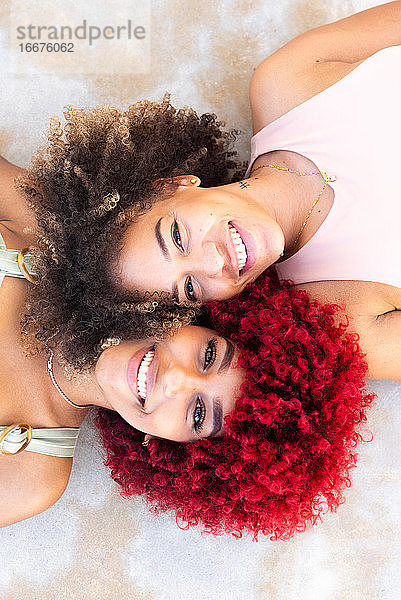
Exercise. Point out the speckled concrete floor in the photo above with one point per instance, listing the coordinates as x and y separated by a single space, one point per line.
93 543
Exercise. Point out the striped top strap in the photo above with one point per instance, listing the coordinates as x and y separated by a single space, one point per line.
58 441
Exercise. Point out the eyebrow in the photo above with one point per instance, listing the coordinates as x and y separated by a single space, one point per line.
227 358
160 240
217 417
166 254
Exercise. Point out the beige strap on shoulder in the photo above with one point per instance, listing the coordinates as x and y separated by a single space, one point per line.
58 441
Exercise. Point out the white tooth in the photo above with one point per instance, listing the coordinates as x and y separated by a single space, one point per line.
239 246
142 373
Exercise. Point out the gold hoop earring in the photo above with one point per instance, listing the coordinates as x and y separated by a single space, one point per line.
21 264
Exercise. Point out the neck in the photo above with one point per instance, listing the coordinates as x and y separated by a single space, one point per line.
80 388
285 196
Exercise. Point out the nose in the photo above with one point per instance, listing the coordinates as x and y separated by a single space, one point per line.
212 260
174 381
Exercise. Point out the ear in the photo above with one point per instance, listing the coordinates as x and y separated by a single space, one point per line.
187 180
184 180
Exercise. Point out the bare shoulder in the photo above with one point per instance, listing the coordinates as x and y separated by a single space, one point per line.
318 58
31 483
280 85
15 215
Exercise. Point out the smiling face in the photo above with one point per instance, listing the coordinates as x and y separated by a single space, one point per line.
180 388
200 244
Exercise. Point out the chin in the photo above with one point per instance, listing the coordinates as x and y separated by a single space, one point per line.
255 274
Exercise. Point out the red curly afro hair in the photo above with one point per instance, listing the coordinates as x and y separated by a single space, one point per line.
290 442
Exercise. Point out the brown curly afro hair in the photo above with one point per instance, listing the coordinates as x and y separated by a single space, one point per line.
93 179
290 442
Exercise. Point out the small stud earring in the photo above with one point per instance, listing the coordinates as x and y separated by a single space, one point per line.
194 180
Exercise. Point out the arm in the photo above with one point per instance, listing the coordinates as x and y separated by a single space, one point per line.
380 338
353 38
374 313
317 58
30 484
349 40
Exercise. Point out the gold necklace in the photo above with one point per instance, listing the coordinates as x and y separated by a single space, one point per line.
327 179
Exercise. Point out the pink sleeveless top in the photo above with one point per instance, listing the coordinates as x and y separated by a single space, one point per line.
351 130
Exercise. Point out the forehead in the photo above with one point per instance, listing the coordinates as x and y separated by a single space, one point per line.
187 197
193 332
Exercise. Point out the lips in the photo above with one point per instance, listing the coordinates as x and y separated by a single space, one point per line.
140 374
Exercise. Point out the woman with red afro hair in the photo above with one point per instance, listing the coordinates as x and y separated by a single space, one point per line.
290 441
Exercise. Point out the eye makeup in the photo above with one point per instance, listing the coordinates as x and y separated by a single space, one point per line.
199 414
